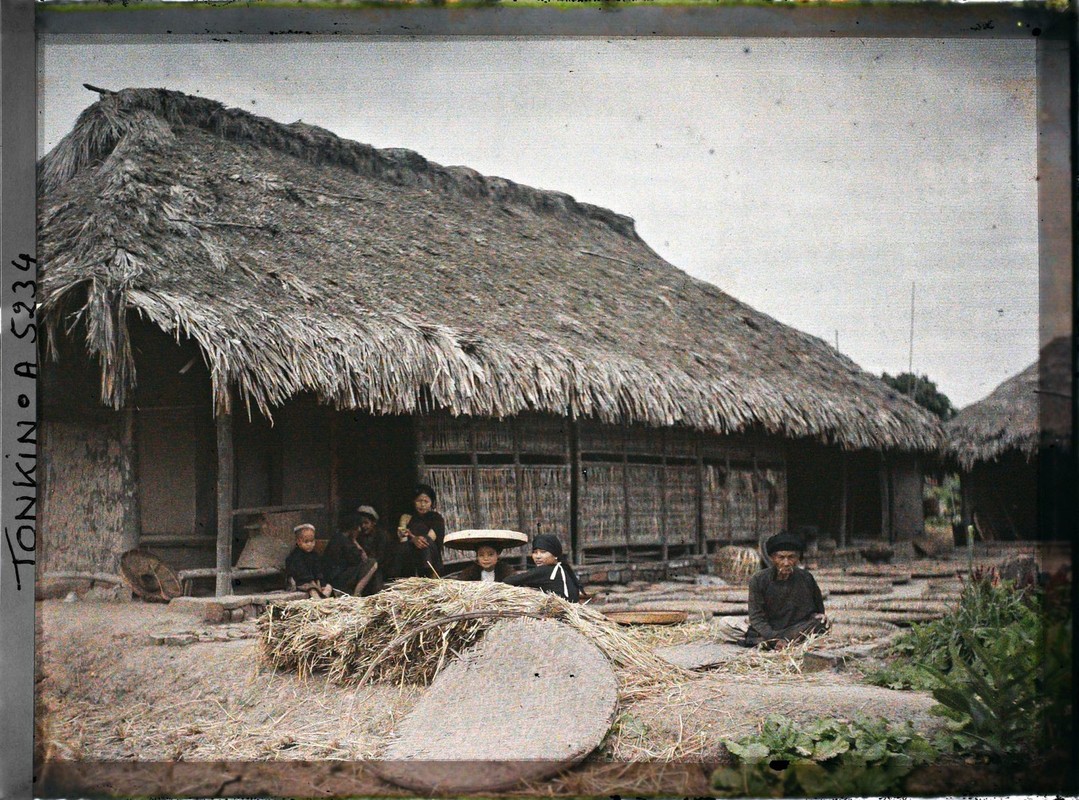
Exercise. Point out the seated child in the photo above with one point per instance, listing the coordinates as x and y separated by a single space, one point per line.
303 566
486 567
551 573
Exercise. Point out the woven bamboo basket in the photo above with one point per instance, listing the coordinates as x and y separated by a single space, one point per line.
149 577
736 564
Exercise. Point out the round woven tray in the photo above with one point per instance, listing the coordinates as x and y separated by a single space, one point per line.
856 630
836 587
933 571
148 577
646 617
893 574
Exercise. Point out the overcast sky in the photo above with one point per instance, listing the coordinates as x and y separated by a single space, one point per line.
812 179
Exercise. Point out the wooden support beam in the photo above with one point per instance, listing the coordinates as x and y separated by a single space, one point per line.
701 541
130 462
332 504
224 505
843 499
573 452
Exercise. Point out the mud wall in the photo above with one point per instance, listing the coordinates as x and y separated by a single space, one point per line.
86 475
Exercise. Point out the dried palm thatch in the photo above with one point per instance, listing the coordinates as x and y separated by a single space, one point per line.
408 632
1019 414
736 564
294 259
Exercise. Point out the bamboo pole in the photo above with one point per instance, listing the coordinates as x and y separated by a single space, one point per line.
224 505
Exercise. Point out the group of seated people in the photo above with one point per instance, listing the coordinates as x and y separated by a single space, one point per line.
361 559
785 603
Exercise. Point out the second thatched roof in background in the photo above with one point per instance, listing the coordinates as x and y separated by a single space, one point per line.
299 261
1028 410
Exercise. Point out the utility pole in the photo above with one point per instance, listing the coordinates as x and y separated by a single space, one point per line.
910 358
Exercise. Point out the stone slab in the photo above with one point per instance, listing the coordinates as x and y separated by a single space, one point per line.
701 655
198 606
532 698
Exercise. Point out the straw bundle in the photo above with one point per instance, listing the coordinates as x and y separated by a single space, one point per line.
408 632
736 564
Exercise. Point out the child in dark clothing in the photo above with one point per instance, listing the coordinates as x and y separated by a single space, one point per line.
303 566
551 574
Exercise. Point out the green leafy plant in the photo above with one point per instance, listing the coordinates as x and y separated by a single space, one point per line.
984 609
824 758
999 668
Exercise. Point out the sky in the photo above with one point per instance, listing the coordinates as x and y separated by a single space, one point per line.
815 180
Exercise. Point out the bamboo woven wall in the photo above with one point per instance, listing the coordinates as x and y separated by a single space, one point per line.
682 496
663 498
716 503
645 482
743 503
530 434
454 488
772 499
601 505
545 490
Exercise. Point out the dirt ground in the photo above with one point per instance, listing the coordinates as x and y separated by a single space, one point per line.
106 692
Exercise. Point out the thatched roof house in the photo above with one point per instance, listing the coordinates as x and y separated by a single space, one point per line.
1000 442
296 263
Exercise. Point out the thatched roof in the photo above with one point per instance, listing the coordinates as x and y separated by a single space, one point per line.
1027 410
299 261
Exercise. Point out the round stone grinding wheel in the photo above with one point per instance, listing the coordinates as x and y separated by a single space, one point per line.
532 698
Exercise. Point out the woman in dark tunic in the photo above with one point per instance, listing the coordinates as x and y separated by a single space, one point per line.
785 603
419 537
551 574
353 553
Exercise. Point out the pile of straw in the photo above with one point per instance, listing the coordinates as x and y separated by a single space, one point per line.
408 632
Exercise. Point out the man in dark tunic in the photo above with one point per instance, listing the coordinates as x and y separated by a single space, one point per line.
785 603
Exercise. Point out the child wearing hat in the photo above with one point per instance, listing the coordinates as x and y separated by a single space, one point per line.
303 566
487 566
785 603
551 574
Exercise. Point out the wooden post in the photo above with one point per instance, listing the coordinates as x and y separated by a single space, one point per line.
224 504
332 505
664 529
728 484
132 523
518 475
573 453
479 519
625 494
885 502
843 499
701 543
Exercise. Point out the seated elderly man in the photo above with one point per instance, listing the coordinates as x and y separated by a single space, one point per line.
785 603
